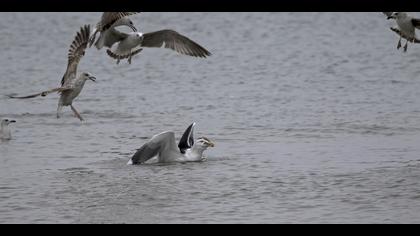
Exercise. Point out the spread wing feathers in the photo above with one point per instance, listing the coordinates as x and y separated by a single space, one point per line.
76 52
158 144
187 140
413 40
109 18
175 41
43 94
416 23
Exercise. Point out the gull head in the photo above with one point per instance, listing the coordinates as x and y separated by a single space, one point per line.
125 21
88 76
203 143
6 122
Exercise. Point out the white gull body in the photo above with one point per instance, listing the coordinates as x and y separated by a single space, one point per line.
163 148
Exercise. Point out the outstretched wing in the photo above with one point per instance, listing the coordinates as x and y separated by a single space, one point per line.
76 52
187 140
416 23
43 94
158 144
175 41
109 18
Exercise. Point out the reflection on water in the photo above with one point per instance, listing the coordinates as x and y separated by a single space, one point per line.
313 122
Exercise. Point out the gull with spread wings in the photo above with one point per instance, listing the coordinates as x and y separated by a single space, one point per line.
71 85
130 44
406 27
108 35
163 147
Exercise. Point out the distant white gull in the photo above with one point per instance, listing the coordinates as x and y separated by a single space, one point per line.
134 42
5 133
406 27
71 86
108 35
163 146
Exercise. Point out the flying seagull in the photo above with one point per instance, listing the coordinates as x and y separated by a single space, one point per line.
71 86
406 27
5 133
163 146
134 42
108 35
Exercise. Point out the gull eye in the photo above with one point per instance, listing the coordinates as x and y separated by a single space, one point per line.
6 120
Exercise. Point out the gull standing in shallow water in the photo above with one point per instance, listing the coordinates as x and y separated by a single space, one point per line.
406 27
71 86
5 133
163 146
134 42
108 35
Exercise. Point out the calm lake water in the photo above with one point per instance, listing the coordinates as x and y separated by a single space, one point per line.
315 117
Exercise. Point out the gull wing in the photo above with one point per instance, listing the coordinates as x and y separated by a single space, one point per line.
413 40
388 14
76 52
112 36
43 94
161 145
175 41
187 140
109 18
416 23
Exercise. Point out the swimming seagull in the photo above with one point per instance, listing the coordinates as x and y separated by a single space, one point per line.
163 146
71 86
406 27
108 35
5 133
134 42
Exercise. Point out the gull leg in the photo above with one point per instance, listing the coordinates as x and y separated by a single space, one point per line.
399 44
406 46
76 113
129 58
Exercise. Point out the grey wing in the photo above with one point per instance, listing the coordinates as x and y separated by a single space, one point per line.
159 144
109 18
388 14
112 36
76 52
175 41
43 94
187 140
416 23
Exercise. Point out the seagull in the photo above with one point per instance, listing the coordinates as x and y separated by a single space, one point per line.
108 35
132 43
71 86
5 133
406 27
163 146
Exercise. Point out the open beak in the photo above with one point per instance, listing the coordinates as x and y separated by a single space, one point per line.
211 144
92 78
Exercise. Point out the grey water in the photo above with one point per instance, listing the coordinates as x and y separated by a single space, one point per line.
315 118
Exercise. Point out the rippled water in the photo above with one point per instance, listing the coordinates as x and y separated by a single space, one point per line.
315 116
